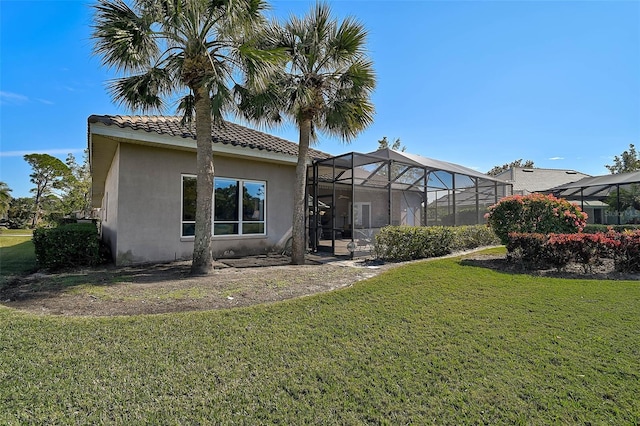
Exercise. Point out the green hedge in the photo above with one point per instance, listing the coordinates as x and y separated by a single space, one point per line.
473 236
71 245
417 242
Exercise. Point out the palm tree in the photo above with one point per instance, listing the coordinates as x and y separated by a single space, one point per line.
325 84
189 48
5 198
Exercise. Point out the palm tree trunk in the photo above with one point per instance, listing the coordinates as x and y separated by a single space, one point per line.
203 244
298 247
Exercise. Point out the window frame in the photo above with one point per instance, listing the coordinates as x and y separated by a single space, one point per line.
182 221
240 222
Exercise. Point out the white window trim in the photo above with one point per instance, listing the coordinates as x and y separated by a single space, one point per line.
182 222
240 222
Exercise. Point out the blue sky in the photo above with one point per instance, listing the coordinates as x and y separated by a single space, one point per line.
478 83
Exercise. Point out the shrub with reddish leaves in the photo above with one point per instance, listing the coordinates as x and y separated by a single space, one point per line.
627 251
537 213
534 250
528 249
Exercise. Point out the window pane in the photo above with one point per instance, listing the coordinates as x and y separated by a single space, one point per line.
188 198
225 229
253 201
188 229
226 196
253 228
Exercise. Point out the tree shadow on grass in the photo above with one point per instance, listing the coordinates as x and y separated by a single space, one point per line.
44 284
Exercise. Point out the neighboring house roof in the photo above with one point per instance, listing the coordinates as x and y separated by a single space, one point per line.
107 131
526 180
231 133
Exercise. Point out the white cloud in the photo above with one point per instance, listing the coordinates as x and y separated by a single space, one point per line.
556 158
44 101
12 98
40 151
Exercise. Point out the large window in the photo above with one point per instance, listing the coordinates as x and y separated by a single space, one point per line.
239 206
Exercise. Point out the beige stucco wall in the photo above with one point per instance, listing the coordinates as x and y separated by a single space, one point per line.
149 202
109 206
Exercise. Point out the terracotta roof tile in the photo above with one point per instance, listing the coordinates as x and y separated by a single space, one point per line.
231 133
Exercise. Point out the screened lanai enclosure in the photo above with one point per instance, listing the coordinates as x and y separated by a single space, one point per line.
608 199
353 196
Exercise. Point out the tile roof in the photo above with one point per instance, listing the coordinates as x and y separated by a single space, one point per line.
230 134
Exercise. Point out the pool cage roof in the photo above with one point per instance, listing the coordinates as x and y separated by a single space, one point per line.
355 159
369 170
595 187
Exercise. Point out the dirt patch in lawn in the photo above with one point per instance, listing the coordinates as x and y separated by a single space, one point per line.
153 289
162 288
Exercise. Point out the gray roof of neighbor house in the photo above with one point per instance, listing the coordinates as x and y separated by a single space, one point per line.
526 180
230 134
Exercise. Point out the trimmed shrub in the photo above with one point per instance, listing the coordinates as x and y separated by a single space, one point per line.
585 249
413 242
627 251
535 213
527 248
67 246
535 250
473 236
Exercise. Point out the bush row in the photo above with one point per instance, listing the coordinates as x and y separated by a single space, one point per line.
400 243
71 245
535 250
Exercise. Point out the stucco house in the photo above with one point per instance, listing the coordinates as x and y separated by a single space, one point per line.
144 171
527 180
144 191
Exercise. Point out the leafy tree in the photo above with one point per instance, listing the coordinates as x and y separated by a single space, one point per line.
189 48
625 198
496 170
627 162
5 198
395 146
325 84
49 174
77 198
20 213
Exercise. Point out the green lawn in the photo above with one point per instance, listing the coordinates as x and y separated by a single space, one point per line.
433 342
16 253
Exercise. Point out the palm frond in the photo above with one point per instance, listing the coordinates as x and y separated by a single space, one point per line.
142 92
124 39
187 108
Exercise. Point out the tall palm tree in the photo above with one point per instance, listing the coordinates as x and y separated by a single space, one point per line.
5 198
325 84
182 47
